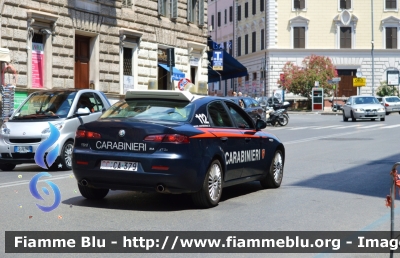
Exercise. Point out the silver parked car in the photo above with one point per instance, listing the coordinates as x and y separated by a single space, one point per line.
29 125
391 104
363 107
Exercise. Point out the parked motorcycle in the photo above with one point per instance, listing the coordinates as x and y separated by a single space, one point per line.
277 115
335 106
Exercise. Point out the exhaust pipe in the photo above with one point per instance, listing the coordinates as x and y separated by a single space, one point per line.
160 188
84 182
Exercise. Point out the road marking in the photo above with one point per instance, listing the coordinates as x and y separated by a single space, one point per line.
323 127
25 182
346 126
370 126
390 126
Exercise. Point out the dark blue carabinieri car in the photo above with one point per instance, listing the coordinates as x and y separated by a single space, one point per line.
175 142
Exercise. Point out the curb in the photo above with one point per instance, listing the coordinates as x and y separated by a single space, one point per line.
315 112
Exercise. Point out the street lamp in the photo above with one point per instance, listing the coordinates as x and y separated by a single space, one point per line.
372 45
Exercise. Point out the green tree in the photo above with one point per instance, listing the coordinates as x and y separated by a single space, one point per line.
386 90
301 80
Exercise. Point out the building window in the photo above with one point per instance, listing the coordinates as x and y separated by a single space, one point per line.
390 4
345 4
230 13
254 76
127 62
239 46
195 11
254 7
212 22
262 39
262 74
163 9
299 37
126 3
391 37
247 78
246 10
253 42
239 12
299 4
230 47
345 37
246 44
261 5
225 17
219 19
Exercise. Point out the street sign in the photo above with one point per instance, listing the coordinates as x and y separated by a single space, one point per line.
331 82
392 78
359 82
218 60
336 79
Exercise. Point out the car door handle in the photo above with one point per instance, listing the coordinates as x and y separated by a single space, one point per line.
224 139
247 139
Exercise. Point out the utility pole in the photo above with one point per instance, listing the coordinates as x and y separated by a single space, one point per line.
372 45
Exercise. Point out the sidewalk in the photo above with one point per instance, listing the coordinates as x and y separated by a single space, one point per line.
327 111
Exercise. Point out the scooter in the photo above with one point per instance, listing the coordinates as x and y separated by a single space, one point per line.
279 116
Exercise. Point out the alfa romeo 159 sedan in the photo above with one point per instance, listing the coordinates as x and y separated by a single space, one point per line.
175 142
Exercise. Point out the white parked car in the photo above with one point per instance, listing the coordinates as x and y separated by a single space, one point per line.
28 127
391 104
363 107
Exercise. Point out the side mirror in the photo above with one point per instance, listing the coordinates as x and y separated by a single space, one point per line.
82 112
103 110
260 124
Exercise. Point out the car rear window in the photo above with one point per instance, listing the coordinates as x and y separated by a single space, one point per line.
150 109
393 99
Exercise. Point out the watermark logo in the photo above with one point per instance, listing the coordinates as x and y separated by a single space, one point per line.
44 146
35 193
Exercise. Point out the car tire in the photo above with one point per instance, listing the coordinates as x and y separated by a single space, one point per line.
353 119
283 120
66 155
388 113
345 119
273 178
382 119
212 183
7 167
92 193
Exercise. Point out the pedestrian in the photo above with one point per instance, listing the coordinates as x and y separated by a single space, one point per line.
234 94
240 94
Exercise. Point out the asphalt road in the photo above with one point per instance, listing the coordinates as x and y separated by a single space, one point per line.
336 178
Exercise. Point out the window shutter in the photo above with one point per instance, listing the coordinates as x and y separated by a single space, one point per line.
296 4
230 13
394 38
239 46
302 4
254 7
302 37
253 42
174 7
261 5
246 10
129 3
296 37
161 7
345 37
246 44
262 39
348 4
239 13
189 10
342 4
201 12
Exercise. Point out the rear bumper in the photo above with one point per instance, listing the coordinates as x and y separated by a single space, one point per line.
184 175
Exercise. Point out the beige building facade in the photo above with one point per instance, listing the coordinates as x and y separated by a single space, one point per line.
343 30
110 46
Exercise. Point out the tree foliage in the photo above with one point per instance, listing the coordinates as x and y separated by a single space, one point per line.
301 79
386 90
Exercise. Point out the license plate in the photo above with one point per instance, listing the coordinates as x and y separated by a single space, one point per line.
22 149
395 109
119 165
371 113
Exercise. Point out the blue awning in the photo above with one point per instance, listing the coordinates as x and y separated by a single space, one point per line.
177 74
232 68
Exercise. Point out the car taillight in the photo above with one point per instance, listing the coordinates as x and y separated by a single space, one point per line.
171 138
87 134
386 105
